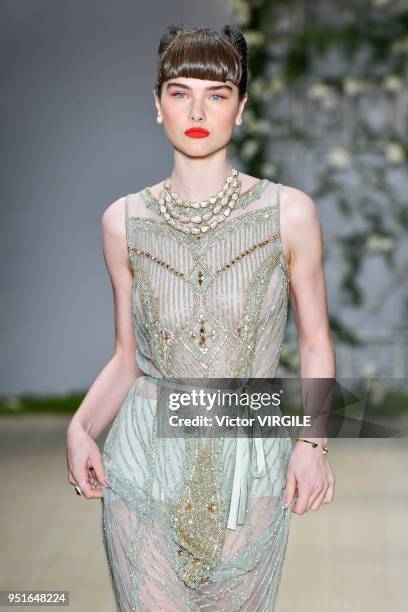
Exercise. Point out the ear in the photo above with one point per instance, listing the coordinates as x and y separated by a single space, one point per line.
241 108
156 101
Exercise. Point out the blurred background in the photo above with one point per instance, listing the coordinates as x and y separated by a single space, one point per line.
328 114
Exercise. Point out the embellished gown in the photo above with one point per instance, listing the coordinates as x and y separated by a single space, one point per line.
188 525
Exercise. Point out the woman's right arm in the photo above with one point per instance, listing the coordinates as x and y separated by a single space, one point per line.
110 388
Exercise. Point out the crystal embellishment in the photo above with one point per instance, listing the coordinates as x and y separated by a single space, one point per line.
203 337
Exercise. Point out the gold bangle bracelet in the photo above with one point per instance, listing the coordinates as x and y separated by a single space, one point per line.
324 449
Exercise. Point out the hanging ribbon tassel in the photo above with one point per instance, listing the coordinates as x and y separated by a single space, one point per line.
243 462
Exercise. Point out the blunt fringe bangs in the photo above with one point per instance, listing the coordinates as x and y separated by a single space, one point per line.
201 53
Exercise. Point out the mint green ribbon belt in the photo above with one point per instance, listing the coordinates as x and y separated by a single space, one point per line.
248 462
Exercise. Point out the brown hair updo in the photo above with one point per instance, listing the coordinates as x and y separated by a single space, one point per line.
203 53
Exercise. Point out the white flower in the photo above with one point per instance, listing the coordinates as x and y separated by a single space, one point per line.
258 89
268 169
400 45
13 402
254 38
379 244
381 2
394 153
392 82
339 158
249 149
261 127
378 389
242 12
276 85
249 118
370 369
323 93
352 87
319 91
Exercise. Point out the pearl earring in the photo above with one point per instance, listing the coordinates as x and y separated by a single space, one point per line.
238 121
158 119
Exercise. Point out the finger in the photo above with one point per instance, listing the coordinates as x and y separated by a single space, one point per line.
82 480
317 492
97 466
290 488
299 507
328 498
71 478
94 494
95 484
318 500
89 493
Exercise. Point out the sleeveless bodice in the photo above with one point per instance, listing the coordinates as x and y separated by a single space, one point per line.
209 306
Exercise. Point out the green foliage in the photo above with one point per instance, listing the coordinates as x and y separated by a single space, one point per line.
31 403
327 83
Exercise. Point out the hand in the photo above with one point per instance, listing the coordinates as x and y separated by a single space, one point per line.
309 472
84 463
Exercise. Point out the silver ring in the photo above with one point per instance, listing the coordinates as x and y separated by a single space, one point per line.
78 489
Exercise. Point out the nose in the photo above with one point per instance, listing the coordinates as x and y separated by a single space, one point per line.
197 112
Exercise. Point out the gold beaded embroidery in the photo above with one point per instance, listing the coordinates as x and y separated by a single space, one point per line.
198 513
170 268
196 341
246 329
159 261
247 252
159 338
231 225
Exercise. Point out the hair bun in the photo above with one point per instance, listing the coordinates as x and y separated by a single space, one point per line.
169 34
237 40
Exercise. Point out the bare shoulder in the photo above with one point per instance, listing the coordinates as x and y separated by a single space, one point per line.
297 205
299 220
113 218
114 242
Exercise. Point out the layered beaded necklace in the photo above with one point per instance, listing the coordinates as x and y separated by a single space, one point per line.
183 214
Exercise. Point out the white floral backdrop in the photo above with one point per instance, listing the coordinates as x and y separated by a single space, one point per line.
328 113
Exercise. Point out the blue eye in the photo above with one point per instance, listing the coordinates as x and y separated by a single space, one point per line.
182 93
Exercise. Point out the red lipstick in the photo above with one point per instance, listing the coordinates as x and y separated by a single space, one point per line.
197 132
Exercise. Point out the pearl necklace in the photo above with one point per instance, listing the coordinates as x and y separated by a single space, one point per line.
216 209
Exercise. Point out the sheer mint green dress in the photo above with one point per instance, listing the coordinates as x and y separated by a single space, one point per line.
189 525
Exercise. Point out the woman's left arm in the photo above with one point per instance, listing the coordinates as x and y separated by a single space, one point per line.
310 479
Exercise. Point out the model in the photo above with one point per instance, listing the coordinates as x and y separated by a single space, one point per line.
202 265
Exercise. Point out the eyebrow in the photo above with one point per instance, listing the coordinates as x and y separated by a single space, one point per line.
210 88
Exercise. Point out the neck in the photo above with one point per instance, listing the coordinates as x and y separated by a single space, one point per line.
200 178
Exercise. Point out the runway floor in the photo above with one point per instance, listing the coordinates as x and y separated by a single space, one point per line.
349 556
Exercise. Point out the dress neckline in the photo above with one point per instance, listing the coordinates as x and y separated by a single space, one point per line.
242 194
245 198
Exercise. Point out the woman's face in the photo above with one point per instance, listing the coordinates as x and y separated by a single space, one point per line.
211 106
